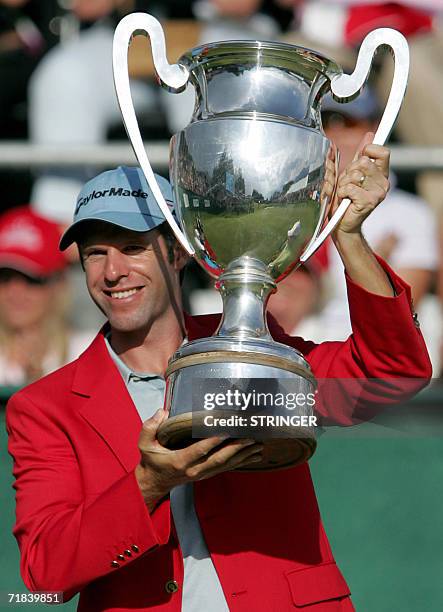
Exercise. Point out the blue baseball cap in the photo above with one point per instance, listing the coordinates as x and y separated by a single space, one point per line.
120 197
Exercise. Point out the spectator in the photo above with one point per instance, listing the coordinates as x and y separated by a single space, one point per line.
25 36
34 336
224 20
303 290
72 98
402 230
72 101
338 27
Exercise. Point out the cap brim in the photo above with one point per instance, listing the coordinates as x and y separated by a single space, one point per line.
132 221
23 265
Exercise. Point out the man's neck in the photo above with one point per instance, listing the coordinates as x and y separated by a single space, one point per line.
149 350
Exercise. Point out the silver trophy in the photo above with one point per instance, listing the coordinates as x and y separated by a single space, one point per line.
254 177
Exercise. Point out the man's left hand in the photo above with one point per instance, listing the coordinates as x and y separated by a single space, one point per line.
365 182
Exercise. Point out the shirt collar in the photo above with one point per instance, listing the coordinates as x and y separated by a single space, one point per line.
125 370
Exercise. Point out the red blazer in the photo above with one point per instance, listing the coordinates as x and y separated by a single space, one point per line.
73 437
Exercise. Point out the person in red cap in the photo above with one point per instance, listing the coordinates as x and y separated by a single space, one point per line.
34 337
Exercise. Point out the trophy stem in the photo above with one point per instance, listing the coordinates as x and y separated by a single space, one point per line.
245 288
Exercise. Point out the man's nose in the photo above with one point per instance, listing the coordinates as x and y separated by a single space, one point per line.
116 266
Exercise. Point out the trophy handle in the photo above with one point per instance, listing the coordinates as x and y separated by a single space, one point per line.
347 87
173 77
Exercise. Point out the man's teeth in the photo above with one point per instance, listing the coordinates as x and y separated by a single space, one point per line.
123 294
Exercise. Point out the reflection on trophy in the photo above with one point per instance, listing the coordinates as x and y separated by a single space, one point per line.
254 178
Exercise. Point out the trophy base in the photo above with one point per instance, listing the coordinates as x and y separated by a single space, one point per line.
224 367
278 453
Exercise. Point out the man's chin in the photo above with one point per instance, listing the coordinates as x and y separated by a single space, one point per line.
124 326
128 325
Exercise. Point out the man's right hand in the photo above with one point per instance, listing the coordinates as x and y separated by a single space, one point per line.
161 469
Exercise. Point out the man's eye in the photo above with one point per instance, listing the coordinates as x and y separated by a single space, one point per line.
94 253
133 249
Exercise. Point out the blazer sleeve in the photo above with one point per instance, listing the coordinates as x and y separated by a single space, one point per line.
66 540
384 360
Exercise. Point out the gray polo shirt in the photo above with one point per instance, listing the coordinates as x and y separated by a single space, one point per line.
201 587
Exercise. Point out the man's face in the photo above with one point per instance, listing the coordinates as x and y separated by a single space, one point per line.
130 276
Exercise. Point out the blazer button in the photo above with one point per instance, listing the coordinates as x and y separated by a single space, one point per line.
115 564
121 558
171 586
135 548
128 553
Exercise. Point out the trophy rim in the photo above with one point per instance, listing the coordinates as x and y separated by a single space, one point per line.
198 55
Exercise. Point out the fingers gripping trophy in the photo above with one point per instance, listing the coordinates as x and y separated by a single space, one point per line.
254 179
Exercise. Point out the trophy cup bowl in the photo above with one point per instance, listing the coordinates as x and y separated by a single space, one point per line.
253 177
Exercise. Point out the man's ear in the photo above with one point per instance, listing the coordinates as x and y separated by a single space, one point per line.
181 258
80 256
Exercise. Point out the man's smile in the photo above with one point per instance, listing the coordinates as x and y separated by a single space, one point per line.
122 294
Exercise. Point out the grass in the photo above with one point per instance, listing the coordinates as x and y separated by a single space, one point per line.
262 233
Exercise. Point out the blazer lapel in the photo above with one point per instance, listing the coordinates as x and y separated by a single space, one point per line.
108 407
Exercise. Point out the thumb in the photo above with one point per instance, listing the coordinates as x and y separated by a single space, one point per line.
367 139
151 425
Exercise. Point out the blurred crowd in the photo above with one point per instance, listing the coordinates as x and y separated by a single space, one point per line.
57 89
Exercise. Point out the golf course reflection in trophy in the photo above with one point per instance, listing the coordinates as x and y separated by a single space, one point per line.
254 178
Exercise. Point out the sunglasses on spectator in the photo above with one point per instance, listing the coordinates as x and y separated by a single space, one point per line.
7 275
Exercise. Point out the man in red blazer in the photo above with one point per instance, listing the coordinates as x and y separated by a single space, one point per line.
97 510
